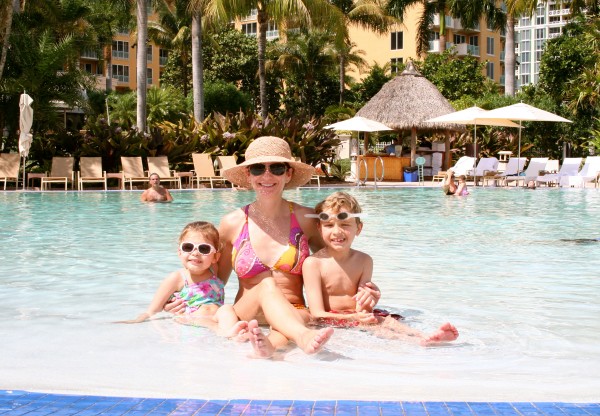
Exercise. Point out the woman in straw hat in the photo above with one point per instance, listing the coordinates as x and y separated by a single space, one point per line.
265 243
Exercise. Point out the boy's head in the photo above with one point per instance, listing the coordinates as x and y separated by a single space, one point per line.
339 202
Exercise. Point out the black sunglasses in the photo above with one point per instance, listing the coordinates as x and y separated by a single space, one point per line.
203 248
276 169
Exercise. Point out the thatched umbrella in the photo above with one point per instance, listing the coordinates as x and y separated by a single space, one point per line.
406 102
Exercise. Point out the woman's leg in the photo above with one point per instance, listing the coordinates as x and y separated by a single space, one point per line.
284 318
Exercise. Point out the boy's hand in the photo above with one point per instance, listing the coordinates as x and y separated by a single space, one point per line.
365 318
367 296
175 306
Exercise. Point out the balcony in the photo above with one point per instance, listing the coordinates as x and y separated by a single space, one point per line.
460 29
559 12
272 34
448 21
464 49
434 46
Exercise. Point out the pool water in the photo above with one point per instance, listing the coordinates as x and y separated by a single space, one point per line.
495 264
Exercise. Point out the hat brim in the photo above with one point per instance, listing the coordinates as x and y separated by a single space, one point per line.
301 175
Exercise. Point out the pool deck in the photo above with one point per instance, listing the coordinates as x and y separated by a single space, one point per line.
17 402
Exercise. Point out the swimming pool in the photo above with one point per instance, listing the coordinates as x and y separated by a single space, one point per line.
526 303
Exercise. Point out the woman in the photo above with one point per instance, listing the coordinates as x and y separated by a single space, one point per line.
449 186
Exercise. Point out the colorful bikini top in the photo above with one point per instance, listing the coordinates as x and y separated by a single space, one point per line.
247 264
206 292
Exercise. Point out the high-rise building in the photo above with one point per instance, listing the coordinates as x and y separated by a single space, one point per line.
531 33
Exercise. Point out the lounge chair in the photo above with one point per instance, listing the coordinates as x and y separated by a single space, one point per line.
316 176
160 165
485 167
90 171
439 177
570 167
204 170
463 166
60 172
514 166
225 162
133 170
9 168
590 172
536 164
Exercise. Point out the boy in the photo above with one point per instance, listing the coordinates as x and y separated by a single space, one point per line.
335 276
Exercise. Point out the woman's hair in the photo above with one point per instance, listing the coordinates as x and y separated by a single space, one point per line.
338 200
205 228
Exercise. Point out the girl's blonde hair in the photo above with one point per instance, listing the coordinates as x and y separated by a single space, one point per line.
205 228
338 200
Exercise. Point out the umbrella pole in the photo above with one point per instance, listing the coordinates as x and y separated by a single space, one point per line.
24 180
519 154
475 156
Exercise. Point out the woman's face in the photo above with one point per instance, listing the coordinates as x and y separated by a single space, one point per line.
269 178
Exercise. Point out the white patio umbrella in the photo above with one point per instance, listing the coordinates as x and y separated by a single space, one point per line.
472 115
523 112
25 122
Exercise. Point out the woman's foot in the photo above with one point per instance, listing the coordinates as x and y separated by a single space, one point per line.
447 332
260 343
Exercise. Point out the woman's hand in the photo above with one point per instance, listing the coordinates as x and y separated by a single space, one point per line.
175 306
365 318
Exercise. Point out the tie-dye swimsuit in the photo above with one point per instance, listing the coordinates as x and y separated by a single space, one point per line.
206 292
247 264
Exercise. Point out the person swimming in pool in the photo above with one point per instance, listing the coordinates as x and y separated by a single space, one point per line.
335 276
156 192
448 185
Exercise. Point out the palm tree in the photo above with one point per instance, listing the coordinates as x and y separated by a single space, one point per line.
7 11
172 31
431 8
301 12
304 56
366 14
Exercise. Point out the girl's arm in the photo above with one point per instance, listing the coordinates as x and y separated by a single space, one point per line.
171 284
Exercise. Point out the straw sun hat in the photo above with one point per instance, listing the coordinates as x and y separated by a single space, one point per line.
269 149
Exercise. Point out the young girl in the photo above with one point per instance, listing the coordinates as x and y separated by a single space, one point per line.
461 190
195 284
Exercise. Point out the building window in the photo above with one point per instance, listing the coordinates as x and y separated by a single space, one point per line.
525 57
397 39
525 21
120 49
540 18
490 46
249 29
149 76
474 40
458 39
272 31
121 72
163 56
88 68
396 63
149 53
489 69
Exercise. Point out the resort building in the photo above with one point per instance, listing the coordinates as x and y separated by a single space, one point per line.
531 33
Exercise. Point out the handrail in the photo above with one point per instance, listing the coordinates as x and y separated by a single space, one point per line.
361 162
375 177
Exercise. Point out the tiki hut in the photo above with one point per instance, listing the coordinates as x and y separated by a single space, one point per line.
405 102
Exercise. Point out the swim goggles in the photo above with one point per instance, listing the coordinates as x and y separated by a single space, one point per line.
276 169
203 248
340 216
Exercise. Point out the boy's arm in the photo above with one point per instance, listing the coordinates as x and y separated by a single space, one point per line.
368 293
314 295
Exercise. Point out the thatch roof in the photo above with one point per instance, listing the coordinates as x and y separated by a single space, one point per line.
407 101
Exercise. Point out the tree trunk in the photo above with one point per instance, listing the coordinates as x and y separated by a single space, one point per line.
5 30
442 40
509 57
108 63
342 78
262 22
141 64
197 67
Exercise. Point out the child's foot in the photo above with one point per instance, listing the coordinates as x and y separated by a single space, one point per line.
239 332
447 332
313 340
260 343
